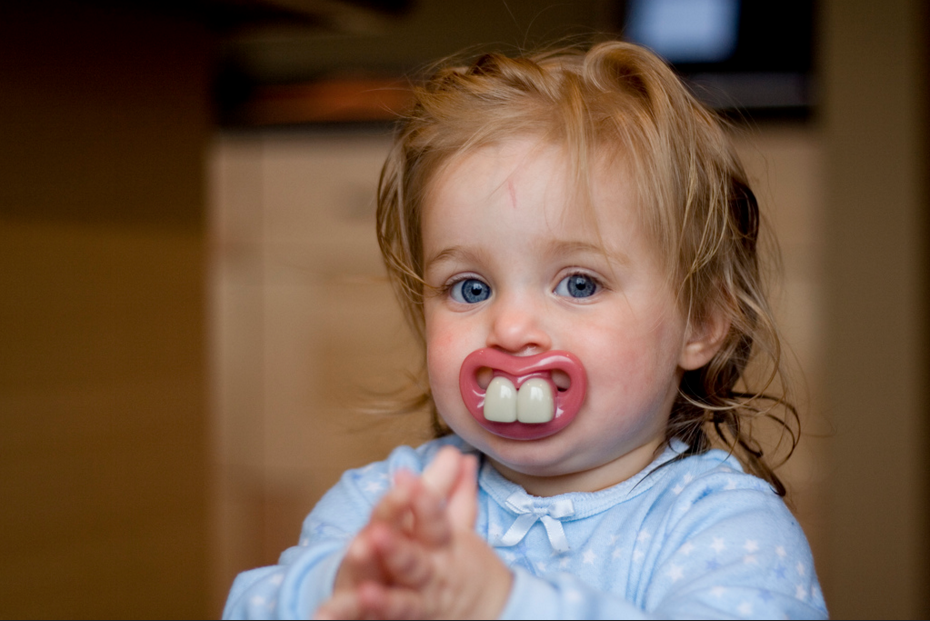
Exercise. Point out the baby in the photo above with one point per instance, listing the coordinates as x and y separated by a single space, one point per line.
574 243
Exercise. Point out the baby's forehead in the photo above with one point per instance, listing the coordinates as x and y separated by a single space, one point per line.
568 189
530 189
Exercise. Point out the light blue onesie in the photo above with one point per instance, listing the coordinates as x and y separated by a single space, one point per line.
697 538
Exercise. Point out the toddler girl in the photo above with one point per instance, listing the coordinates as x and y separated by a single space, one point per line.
574 244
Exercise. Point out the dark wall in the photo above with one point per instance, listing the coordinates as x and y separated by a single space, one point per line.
104 120
876 282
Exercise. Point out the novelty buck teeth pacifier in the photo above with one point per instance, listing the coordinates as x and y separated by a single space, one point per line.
522 400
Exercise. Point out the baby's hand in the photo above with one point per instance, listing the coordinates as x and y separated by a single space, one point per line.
419 556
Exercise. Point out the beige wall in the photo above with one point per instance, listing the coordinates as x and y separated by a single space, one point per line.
304 325
785 166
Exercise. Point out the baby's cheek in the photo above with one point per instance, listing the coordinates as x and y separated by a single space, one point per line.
440 349
444 357
441 329
632 371
440 341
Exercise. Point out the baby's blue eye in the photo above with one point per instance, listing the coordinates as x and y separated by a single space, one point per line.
576 286
470 291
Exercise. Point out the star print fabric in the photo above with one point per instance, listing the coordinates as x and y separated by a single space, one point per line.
694 538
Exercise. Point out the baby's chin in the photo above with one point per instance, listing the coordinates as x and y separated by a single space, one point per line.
552 456
577 472
565 461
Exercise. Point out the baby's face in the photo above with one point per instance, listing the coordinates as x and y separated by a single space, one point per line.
523 271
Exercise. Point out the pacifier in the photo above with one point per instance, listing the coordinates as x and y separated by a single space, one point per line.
522 400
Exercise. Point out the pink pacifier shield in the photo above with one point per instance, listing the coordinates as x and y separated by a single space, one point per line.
519 369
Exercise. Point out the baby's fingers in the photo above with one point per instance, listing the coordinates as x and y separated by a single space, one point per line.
413 508
391 603
431 525
404 561
463 502
342 605
373 601
395 506
440 476
360 563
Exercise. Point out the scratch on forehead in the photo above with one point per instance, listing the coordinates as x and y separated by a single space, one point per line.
513 192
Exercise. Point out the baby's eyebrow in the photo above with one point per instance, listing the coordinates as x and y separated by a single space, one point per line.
554 248
454 253
568 248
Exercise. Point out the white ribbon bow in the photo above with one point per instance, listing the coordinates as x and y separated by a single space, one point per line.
529 512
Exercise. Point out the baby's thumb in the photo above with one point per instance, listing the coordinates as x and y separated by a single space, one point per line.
463 502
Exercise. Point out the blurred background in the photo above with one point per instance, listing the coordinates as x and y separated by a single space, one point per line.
194 316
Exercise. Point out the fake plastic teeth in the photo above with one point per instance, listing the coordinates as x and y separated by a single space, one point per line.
500 401
532 404
534 401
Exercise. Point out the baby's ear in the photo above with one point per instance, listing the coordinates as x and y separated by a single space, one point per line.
704 339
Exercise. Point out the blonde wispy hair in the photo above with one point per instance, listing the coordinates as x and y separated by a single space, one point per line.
619 102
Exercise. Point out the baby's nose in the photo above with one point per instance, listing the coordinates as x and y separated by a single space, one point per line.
517 327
